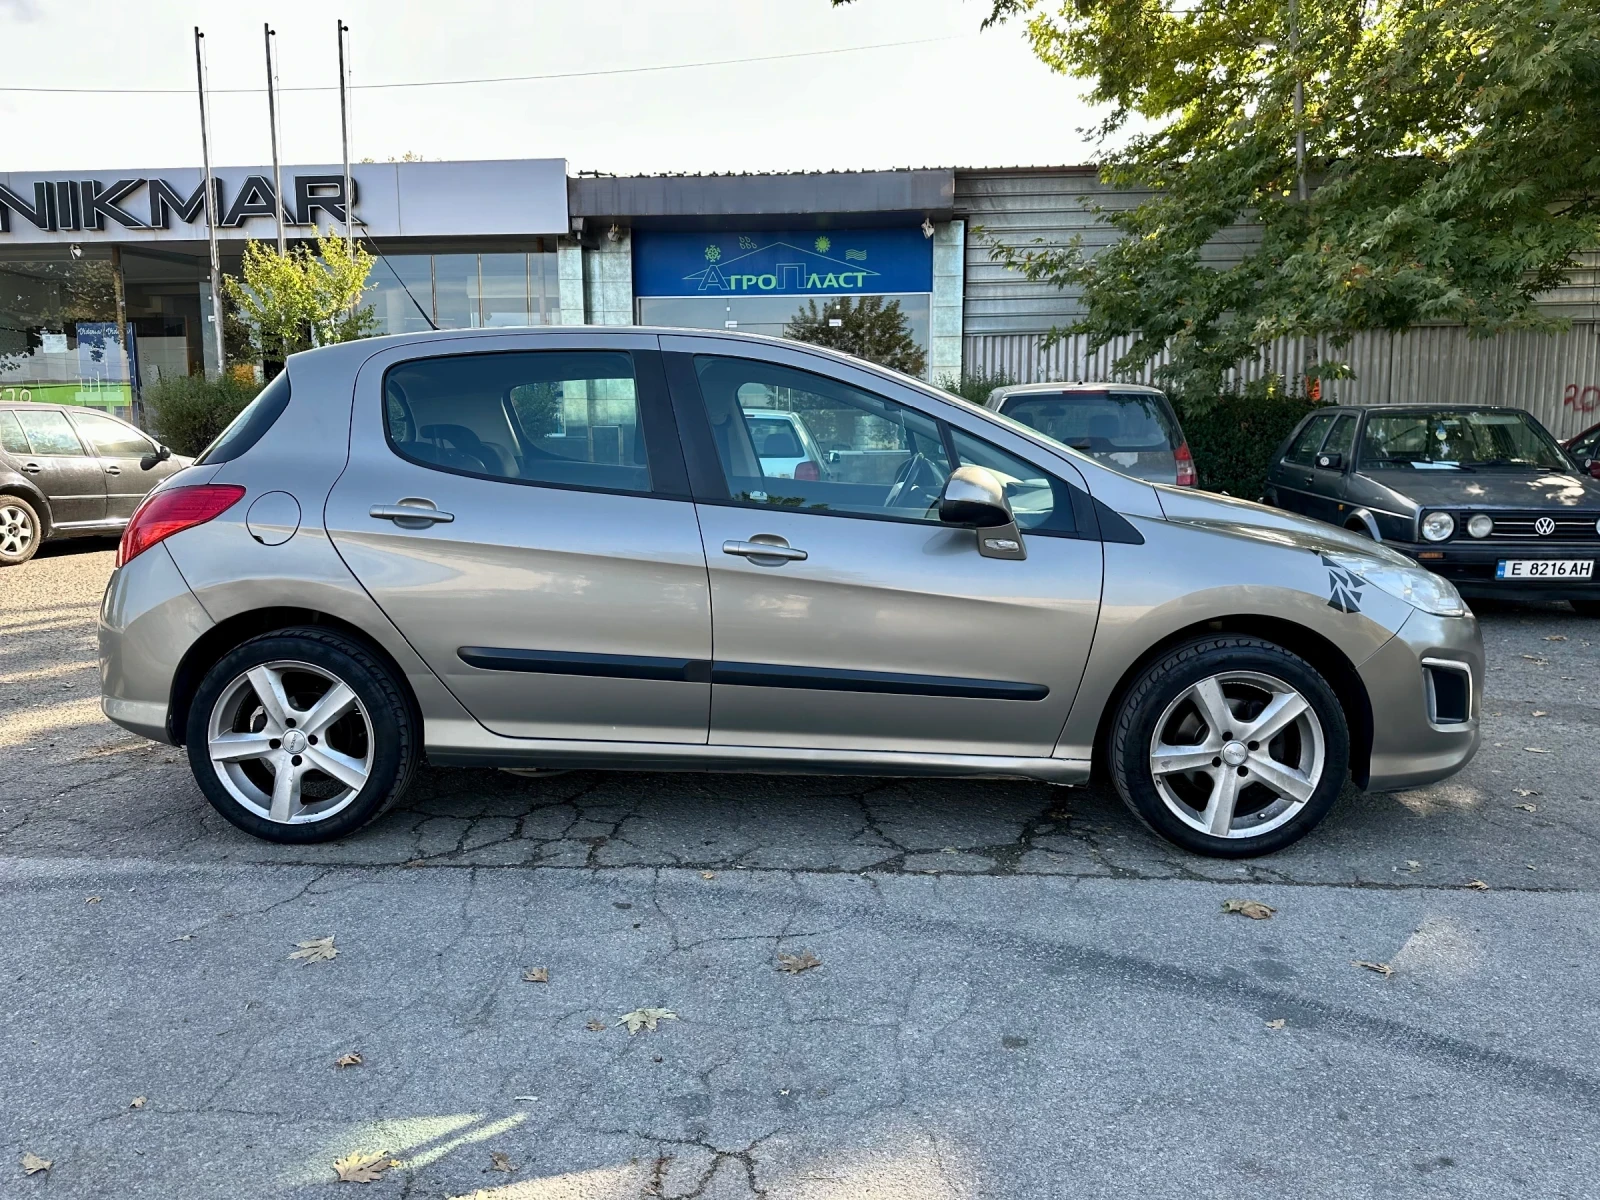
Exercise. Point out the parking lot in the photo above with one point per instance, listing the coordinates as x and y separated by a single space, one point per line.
1020 993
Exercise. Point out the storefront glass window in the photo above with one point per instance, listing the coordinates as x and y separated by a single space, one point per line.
58 331
465 291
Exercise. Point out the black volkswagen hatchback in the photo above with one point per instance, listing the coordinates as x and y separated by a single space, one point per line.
1482 496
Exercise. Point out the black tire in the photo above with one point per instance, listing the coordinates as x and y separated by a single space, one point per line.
395 730
1167 679
1586 608
20 530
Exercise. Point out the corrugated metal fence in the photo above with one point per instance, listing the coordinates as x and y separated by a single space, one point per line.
1554 376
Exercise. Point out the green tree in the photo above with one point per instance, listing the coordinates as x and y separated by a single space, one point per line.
868 327
1450 150
306 297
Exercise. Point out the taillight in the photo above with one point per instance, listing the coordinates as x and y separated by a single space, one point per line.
807 470
165 513
1187 476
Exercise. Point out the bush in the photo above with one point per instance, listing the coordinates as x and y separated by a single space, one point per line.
1233 440
188 412
976 385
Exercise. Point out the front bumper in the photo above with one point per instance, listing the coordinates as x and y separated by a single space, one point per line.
1409 747
148 620
1471 567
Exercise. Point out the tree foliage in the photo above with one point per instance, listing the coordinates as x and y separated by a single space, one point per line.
868 327
187 412
303 298
1451 150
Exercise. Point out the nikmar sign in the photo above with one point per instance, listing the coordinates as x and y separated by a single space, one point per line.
831 263
414 199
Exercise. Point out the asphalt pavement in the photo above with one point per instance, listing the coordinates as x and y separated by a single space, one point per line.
1020 992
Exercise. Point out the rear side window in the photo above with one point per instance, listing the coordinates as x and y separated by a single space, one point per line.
49 433
11 435
564 417
251 425
1304 447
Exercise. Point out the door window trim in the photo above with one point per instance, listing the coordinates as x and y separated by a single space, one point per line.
709 483
664 456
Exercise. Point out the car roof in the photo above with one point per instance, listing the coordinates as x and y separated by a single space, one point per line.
29 405
1076 385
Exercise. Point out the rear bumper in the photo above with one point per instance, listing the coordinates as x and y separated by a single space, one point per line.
1409 747
148 620
1471 568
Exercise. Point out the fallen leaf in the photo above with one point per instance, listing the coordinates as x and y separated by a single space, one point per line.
1535 750
595 1026
1526 792
353 1059
32 1164
796 963
362 1168
1383 969
524 1097
1534 658
646 1018
708 874
1278 1024
184 937
1478 885
1527 807
92 900
138 1102
1540 713
1253 909
499 1160
1413 865
536 975
1556 637
317 950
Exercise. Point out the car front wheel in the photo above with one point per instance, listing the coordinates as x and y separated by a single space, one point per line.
301 736
1230 746
19 531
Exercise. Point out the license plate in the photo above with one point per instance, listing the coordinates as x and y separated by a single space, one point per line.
1545 568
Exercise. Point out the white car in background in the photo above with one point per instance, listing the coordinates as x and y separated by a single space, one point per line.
783 444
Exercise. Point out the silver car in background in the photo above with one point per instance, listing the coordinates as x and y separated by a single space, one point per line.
1124 425
560 548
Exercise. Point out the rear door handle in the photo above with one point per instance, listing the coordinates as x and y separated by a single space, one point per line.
411 513
32 468
764 550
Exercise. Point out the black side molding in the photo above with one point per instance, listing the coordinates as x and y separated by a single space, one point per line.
827 679
605 666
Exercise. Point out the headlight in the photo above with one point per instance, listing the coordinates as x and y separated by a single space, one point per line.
1438 527
1480 526
1417 587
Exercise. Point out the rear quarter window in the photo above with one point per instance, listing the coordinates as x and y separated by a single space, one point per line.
251 425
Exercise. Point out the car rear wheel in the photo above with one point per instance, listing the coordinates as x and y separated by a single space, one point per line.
301 736
1230 747
19 531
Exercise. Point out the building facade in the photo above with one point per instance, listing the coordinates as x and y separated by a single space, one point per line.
105 276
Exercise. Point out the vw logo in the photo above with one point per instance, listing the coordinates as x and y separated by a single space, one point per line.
1544 526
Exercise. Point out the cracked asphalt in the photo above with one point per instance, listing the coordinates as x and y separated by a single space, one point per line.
1021 992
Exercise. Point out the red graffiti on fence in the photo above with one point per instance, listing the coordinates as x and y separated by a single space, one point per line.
1584 399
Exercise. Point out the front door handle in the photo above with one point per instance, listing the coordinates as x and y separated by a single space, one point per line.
756 550
411 513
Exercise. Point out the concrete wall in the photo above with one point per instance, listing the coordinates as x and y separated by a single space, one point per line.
608 281
569 259
949 277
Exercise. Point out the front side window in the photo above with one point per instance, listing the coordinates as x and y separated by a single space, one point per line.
878 457
1342 438
1463 439
1306 443
1040 502
564 417
48 432
112 439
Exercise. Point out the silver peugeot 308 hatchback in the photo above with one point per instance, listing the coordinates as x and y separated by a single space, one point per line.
562 548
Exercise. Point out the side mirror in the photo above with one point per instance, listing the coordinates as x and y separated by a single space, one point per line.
159 455
975 498
1331 462
1593 467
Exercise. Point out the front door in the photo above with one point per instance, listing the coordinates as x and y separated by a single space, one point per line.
522 515
72 480
121 449
1291 476
846 616
1327 490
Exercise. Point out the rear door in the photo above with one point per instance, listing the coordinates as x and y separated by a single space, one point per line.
518 507
121 448
71 479
871 626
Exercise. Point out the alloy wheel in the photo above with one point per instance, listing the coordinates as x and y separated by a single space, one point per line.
16 531
291 742
1237 754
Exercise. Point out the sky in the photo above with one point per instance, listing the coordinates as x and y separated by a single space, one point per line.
957 97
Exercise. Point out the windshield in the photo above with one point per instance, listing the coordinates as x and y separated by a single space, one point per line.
1457 440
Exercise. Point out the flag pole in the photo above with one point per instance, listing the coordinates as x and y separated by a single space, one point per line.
344 131
272 120
210 197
